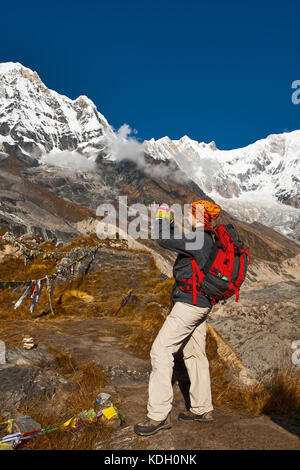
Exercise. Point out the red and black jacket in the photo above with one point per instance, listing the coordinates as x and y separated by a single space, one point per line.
183 268
213 269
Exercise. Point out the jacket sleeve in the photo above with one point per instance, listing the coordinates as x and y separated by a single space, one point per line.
165 236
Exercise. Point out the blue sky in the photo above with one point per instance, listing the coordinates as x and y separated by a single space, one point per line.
212 70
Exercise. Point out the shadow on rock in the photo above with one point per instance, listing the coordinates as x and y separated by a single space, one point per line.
291 425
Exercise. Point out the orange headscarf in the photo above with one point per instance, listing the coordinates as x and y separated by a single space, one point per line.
205 211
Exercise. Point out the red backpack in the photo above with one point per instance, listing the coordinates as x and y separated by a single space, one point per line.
224 271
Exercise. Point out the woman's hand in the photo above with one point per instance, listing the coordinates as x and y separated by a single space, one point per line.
164 212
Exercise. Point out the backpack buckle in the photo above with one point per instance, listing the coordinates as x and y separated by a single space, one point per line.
216 271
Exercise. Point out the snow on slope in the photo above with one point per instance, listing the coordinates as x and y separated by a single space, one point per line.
35 120
258 182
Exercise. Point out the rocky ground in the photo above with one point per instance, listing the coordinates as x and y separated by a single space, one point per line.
251 339
100 341
265 322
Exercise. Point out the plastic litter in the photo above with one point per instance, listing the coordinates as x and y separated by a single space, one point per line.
9 425
107 411
5 446
10 444
108 414
102 398
88 415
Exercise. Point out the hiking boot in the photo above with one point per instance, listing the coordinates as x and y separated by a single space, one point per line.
149 426
189 416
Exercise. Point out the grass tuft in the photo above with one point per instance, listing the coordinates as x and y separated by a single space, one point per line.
88 380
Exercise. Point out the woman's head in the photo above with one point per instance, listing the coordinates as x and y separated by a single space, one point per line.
201 213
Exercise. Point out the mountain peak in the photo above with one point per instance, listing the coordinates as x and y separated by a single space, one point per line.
185 138
84 101
6 67
35 120
257 182
9 71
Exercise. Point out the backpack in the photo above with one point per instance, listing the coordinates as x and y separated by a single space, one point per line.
224 271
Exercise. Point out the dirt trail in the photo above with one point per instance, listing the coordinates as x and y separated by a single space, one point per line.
230 430
100 340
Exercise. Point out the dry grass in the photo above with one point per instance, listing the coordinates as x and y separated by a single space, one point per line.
88 381
75 295
91 241
65 361
147 316
100 293
84 439
163 291
145 327
48 246
13 269
283 395
280 395
83 295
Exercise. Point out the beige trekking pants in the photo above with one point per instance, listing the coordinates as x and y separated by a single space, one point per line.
185 322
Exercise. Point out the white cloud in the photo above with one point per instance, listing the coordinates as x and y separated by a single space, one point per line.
124 146
121 146
71 160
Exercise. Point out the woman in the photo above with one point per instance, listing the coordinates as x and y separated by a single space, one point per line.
185 325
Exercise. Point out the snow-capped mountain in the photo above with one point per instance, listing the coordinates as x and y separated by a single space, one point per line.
260 182
35 120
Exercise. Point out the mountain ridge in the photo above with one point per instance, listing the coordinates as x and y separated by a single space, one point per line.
76 127
256 183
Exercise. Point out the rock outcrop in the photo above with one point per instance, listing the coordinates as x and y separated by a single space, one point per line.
20 383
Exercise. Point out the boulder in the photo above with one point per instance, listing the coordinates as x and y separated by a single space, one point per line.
39 355
25 424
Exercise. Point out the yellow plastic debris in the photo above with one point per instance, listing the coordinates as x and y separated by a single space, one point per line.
4 446
109 412
70 423
9 425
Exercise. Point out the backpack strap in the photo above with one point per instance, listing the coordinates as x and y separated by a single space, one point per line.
196 270
213 252
248 254
236 291
201 275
